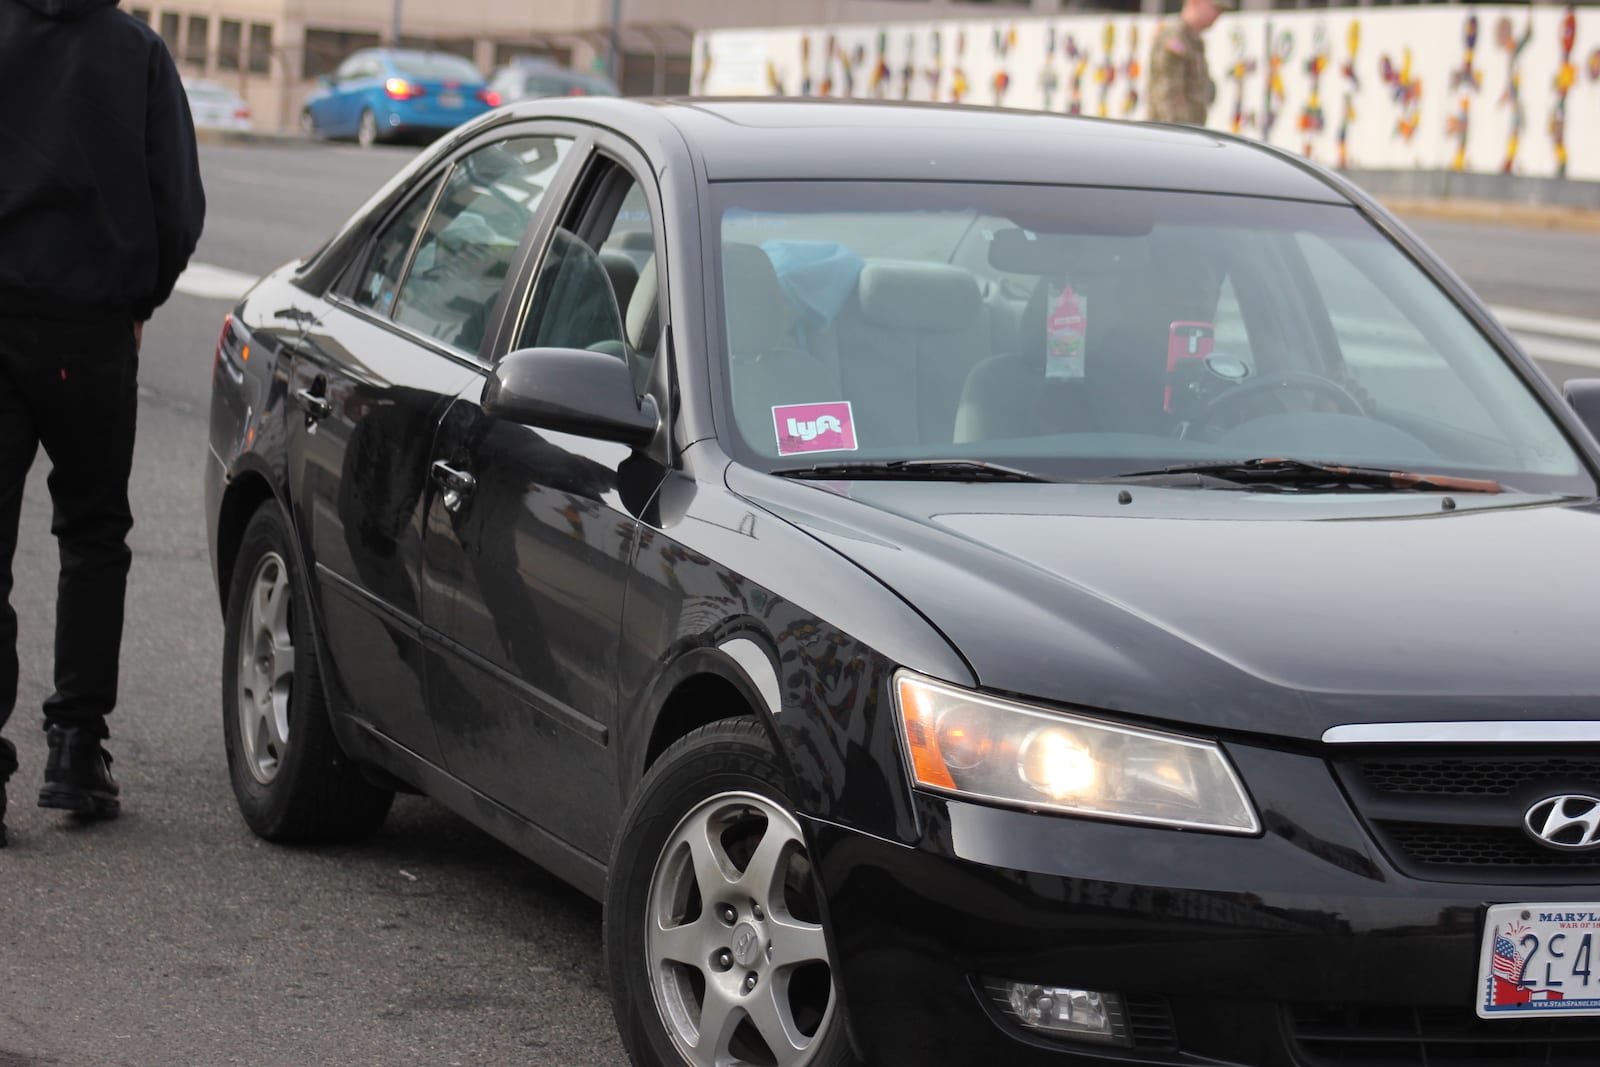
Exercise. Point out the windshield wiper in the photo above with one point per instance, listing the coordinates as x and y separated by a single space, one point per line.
946 470
1304 474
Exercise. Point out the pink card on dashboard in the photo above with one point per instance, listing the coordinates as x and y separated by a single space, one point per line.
814 428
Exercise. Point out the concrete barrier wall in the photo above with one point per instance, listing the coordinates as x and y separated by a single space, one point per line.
1485 89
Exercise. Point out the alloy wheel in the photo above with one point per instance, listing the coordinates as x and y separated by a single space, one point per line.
738 962
367 132
266 668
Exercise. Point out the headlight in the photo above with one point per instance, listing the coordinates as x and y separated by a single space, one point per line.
975 746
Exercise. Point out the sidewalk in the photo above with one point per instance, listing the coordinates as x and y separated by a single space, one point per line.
1527 216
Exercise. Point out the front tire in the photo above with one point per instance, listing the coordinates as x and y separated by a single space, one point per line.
290 777
713 925
367 129
308 125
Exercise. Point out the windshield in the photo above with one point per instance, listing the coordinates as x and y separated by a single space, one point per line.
436 67
1086 333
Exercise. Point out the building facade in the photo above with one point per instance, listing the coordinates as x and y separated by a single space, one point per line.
272 51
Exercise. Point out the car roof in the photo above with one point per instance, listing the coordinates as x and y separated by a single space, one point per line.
770 139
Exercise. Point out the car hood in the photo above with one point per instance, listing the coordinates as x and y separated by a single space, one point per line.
1266 613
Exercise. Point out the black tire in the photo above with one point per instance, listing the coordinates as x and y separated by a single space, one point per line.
291 779
724 776
367 131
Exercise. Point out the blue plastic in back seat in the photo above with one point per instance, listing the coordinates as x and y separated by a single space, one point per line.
818 279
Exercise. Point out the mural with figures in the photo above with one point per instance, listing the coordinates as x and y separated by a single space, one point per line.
1487 88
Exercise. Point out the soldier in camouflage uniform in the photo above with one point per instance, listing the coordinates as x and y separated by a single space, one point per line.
1181 89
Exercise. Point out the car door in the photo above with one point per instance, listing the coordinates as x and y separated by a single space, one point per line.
527 557
401 335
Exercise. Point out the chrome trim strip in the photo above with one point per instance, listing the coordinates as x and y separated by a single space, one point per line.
749 656
1464 733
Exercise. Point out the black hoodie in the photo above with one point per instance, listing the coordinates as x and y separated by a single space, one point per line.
100 197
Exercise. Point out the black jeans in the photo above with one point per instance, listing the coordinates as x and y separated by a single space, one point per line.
71 387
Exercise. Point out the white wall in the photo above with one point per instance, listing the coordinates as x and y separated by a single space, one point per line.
1353 91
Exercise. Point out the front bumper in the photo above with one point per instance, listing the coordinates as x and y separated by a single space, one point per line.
1303 947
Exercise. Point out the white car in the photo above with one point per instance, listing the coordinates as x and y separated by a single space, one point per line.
216 107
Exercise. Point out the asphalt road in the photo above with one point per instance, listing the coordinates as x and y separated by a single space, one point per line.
173 936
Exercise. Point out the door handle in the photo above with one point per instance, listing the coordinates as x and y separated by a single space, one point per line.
316 407
458 485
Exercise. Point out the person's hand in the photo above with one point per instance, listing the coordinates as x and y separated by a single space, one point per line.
138 336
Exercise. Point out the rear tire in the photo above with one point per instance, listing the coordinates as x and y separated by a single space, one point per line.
713 927
367 129
292 780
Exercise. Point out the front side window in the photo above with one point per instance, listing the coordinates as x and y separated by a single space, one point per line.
464 256
600 291
1092 332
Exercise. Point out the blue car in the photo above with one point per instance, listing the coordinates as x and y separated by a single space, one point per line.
383 94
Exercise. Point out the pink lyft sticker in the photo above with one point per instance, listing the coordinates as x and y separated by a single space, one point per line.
814 428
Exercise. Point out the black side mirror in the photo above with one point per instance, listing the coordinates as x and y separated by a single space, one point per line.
573 390
1584 396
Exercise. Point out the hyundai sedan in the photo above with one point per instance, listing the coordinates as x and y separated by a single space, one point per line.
959 586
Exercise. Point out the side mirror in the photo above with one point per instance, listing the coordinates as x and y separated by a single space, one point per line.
327 81
1584 396
573 390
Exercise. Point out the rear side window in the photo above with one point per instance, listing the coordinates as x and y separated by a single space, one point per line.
380 280
462 260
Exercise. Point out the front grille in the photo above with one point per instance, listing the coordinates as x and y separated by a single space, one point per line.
1474 777
1456 813
1479 846
1368 1036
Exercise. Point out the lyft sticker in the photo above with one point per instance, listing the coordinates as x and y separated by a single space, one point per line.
814 428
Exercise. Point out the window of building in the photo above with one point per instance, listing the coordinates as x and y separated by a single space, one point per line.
230 41
171 23
195 44
260 48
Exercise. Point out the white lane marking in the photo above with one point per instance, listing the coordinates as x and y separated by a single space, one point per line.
214 283
1522 322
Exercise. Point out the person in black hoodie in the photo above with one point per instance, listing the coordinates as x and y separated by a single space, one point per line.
100 208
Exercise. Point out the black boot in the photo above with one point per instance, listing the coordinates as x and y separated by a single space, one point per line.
77 777
8 764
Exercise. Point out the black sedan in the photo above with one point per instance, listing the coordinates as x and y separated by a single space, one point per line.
959 586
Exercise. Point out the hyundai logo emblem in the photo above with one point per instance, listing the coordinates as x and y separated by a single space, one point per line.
1570 822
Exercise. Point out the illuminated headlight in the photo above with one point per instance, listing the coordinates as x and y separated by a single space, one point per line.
983 748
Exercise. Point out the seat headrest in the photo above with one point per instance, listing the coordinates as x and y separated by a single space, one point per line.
919 296
642 324
623 274
759 317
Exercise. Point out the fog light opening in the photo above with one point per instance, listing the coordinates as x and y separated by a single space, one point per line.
1061 1011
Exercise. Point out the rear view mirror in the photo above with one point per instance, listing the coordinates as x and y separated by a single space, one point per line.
573 390
1584 396
1018 251
327 81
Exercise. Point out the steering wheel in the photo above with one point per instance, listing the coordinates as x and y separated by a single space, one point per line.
1292 379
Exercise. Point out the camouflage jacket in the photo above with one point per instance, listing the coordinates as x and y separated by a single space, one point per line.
1181 89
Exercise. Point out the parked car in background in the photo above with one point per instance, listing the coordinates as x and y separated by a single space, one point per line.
382 94
216 107
527 77
961 586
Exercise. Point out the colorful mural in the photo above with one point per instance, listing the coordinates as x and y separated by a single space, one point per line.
1486 89
1311 118
1352 86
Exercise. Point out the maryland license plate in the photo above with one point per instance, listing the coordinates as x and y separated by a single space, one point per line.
1540 959
450 101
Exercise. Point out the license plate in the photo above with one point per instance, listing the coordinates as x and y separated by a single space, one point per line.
1540 959
450 101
